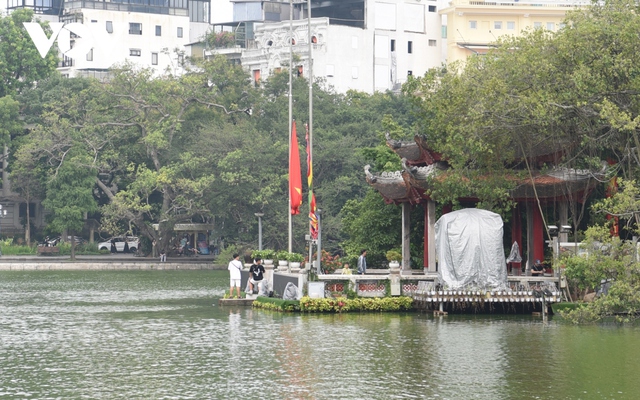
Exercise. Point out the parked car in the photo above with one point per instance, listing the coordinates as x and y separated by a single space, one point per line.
134 243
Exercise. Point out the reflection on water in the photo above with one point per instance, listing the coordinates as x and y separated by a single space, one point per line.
161 335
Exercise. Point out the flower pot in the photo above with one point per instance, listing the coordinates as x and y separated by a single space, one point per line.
394 264
283 263
294 264
268 262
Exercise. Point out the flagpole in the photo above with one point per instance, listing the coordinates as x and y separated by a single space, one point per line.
310 93
290 115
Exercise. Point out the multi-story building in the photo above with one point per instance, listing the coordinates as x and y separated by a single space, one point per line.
363 45
472 26
147 33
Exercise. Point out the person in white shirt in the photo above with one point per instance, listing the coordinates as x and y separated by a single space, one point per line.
235 266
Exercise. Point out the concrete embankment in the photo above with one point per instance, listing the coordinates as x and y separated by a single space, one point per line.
109 262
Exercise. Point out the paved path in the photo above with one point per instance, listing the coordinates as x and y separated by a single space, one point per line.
105 262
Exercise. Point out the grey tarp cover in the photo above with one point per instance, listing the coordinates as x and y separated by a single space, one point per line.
514 255
290 292
263 288
469 249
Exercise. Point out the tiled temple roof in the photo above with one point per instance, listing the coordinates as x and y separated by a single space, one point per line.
420 163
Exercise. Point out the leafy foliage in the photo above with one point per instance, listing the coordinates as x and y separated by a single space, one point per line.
341 304
21 65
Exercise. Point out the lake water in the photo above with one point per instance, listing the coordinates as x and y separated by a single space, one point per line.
162 335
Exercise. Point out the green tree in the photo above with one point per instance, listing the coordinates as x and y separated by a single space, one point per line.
20 63
70 195
10 123
573 93
28 179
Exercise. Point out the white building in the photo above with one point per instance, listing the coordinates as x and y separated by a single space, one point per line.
148 33
364 45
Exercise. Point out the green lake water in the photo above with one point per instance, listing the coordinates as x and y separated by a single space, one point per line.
162 335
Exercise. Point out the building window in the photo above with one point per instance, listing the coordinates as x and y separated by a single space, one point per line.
393 45
330 69
473 24
135 28
22 210
410 47
135 52
110 26
511 25
93 21
561 25
354 72
409 73
180 59
551 26
300 70
158 30
154 58
537 25
256 77
432 8
179 31
497 24
432 43
90 55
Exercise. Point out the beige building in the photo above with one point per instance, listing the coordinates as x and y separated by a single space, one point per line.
472 26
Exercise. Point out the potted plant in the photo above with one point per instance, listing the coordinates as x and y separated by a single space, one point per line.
394 257
282 257
267 255
295 259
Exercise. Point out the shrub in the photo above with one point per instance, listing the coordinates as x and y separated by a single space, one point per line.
295 257
342 304
271 303
266 254
330 263
394 255
282 255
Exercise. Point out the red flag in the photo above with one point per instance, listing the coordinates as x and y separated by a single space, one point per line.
313 218
295 175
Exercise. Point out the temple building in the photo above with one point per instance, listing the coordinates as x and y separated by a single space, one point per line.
548 192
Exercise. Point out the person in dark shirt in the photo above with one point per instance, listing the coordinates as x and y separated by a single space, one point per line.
256 274
538 268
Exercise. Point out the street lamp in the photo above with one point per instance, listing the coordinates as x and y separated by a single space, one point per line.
259 215
3 213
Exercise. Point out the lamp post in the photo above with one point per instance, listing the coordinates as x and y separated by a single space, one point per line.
3 213
259 215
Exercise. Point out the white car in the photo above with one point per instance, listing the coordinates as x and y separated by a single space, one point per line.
134 244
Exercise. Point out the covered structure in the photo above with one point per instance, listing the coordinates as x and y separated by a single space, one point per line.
198 234
557 187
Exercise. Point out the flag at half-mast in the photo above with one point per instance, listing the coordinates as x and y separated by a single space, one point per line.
313 218
295 175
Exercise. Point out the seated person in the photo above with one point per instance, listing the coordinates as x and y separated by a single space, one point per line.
255 274
537 269
346 270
